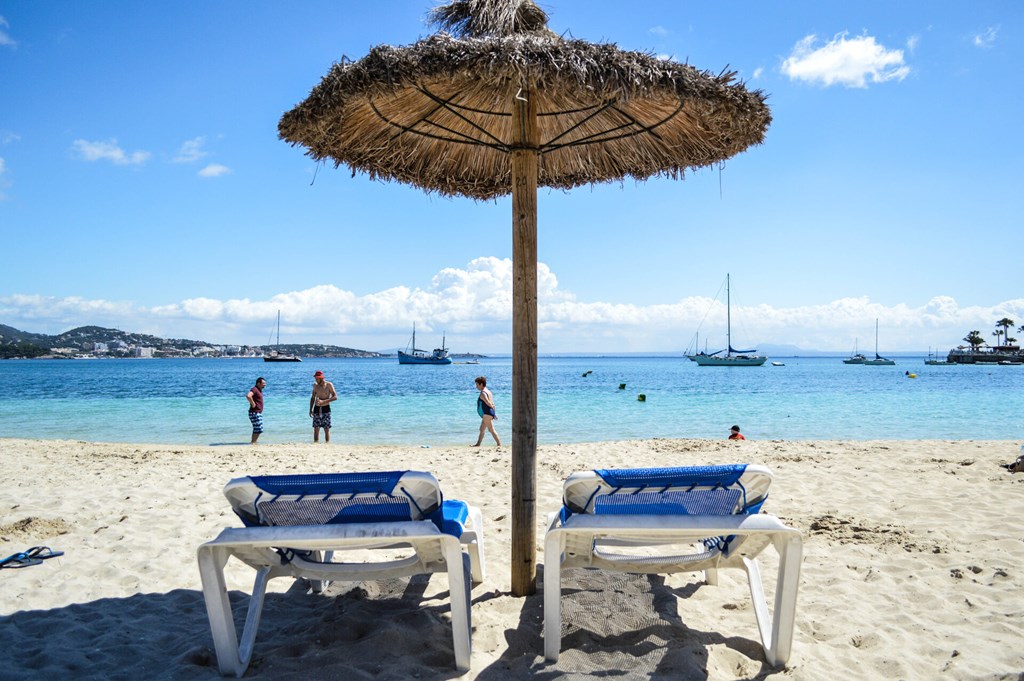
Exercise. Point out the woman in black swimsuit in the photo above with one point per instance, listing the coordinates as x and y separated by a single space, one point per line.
485 408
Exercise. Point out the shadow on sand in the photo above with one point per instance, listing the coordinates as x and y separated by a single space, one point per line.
627 626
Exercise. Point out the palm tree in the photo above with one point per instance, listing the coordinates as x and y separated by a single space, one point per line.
1005 323
997 333
975 339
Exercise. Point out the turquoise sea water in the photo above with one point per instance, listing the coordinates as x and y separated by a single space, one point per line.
202 401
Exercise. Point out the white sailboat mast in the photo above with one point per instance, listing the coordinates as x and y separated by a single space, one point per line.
728 318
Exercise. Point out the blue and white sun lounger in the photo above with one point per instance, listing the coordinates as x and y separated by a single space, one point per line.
296 525
638 520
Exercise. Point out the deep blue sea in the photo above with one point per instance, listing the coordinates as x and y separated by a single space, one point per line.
202 401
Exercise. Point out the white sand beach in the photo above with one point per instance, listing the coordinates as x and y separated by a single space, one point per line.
913 568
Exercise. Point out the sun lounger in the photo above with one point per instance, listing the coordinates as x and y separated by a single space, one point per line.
297 525
636 520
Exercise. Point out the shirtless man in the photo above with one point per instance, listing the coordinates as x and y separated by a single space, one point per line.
320 406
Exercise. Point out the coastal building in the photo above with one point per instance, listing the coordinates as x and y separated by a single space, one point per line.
999 354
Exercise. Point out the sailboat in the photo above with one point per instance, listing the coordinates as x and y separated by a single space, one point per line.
856 357
878 361
702 353
275 354
936 359
413 355
732 357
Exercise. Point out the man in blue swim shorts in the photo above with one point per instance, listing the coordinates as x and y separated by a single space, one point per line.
255 397
320 406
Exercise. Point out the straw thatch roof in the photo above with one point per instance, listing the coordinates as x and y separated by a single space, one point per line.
437 114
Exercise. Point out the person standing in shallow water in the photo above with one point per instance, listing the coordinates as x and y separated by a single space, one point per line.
320 406
485 408
255 397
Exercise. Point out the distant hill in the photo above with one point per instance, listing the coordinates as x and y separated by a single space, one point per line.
116 343
9 334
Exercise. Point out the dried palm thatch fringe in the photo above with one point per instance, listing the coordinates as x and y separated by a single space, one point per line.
437 114
489 18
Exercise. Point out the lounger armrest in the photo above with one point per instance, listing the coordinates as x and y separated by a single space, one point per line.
655 525
451 517
325 537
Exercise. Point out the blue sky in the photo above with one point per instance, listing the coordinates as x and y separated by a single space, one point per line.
142 184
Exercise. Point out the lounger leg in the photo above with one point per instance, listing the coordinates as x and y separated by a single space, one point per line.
317 585
458 589
777 629
475 545
231 658
553 549
252 617
764 619
218 609
786 587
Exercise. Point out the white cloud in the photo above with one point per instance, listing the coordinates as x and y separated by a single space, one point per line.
758 72
5 38
473 306
108 151
3 180
841 61
6 137
659 31
29 309
912 43
986 38
214 170
191 151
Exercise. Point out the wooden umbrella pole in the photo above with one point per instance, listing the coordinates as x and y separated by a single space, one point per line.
525 170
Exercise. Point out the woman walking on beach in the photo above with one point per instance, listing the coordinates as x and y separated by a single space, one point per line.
485 408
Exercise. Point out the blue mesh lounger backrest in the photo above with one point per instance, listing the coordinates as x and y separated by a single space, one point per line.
686 490
332 498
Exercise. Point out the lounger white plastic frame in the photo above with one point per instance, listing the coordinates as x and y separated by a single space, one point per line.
578 542
432 551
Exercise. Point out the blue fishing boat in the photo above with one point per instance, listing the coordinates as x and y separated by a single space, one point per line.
413 355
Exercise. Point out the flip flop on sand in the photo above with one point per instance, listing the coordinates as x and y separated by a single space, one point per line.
33 556
1015 467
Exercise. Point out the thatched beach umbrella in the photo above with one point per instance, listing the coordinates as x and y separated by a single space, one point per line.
503 105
